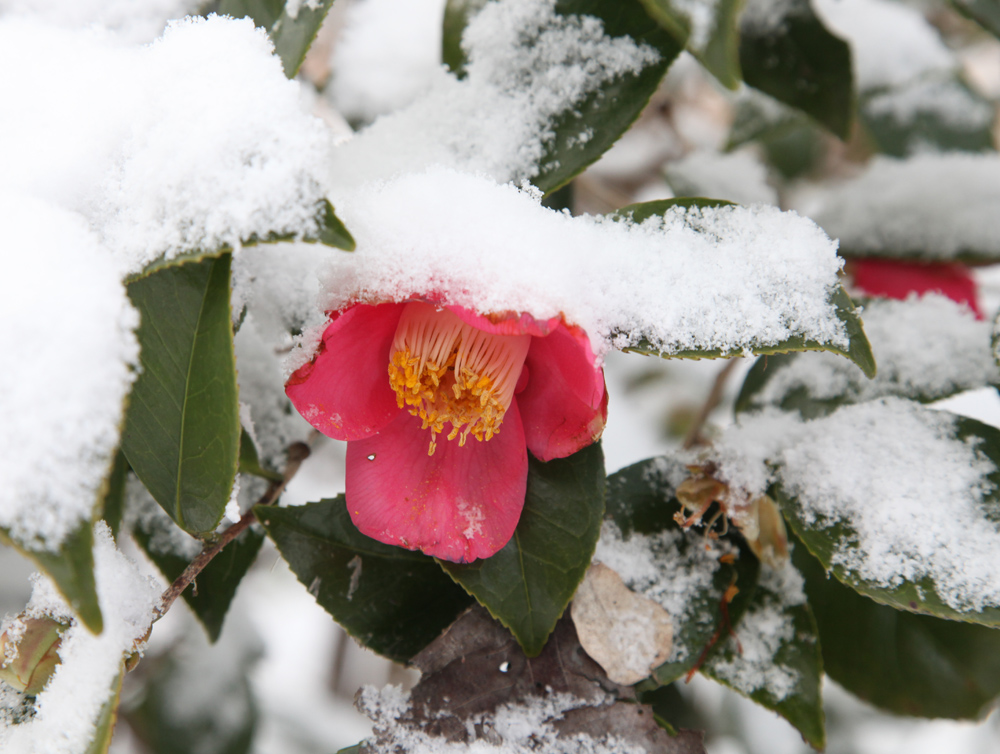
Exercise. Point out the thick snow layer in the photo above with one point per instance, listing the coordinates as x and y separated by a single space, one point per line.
767 627
943 99
894 474
137 21
655 566
66 710
209 147
66 332
368 82
891 43
727 278
527 65
524 728
933 206
926 348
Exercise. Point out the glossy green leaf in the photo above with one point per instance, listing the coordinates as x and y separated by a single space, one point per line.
292 34
213 591
904 663
984 12
113 505
71 568
250 460
715 41
789 680
527 585
182 428
606 114
798 61
824 539
645 210
356 749
858 350
391 600
921 116
641 501
107 718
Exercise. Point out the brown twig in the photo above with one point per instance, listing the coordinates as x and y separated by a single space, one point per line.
297 453
693 436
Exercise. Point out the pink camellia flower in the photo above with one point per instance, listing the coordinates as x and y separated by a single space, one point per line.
439 406
895 278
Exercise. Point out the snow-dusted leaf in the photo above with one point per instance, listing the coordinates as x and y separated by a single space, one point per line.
291 24
71 568
787 52
904 663
709 29
107 718
182 429
685 573
774 656
391 600
250 460
888 211
940 113
858 350
478 688
528 583
457 14
952 357
985 12
919 530
171 550
113 505
644 210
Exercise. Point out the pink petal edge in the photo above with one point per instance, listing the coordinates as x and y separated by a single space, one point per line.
460 504
344 391
565 403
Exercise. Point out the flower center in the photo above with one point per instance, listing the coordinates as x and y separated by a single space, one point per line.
447 372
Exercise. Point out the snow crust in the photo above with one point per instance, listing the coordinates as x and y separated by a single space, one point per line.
512 729
927 348
526 65
913 497
67 709
137 21
69 362
765 629
366 81
656 566
934 206
724 278
187 161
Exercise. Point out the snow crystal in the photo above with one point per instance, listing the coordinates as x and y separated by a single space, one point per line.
893 473
656 566
725 278
186 161
527 65
515 728
953 355
737 177
937 206
69 358
366 81
67 709
137 21
766 627
891 43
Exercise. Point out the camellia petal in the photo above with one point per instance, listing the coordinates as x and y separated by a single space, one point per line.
896 278
344 391
564 404
459 504
508 323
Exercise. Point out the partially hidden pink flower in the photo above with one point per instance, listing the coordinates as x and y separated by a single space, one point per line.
897 278
439 407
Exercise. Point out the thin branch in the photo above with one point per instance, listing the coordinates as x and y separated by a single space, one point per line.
297 453
693 436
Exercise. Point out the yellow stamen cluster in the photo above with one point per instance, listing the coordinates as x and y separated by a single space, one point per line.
447 372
